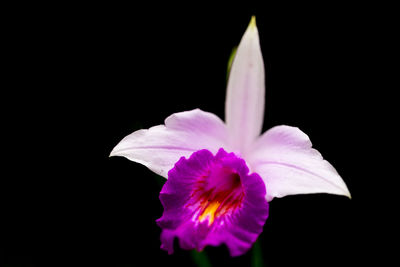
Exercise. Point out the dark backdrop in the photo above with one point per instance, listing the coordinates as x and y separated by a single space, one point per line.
85 76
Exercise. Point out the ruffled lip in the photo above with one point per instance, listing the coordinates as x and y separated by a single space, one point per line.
212 200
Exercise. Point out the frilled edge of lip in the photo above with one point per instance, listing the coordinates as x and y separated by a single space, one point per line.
194 224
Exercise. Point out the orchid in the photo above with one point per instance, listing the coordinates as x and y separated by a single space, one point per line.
221 176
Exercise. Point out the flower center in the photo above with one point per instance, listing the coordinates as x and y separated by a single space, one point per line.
211 200
217 193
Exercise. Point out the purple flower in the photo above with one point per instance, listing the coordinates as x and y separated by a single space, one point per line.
222 175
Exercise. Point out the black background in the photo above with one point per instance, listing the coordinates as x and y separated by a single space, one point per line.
84 76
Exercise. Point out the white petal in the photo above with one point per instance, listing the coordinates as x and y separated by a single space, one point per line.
244 108
160 147
283 157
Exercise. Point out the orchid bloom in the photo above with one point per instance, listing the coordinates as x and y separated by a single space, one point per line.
222 176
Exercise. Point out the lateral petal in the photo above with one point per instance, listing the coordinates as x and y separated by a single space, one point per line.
286 161
161 146
244 107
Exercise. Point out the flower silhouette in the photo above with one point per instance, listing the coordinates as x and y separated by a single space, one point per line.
221 176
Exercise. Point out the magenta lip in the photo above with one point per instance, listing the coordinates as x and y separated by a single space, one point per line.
212 200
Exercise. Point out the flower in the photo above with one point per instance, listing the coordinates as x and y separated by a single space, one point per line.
222 176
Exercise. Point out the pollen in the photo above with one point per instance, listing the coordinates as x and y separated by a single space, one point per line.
209 212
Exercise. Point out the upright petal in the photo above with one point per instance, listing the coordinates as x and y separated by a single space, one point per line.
160 147
288 165
244 108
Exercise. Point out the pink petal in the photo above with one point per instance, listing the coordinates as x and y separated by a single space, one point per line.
244 108
160 147
288 165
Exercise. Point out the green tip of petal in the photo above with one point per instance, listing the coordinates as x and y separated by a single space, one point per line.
252 24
